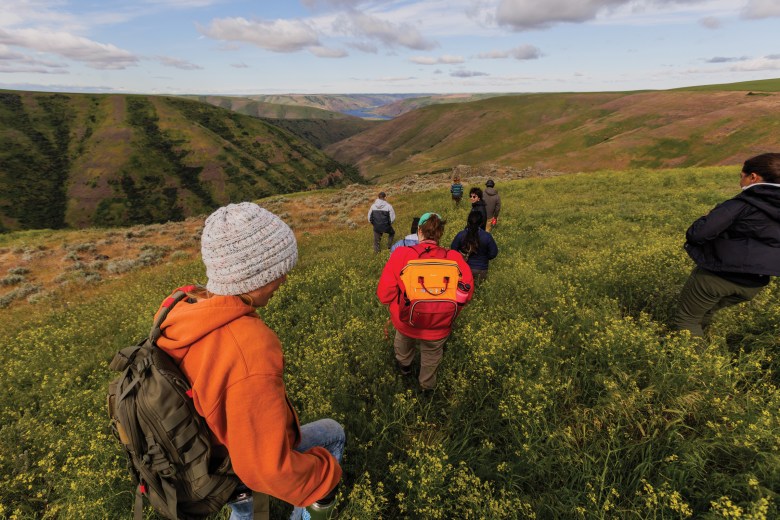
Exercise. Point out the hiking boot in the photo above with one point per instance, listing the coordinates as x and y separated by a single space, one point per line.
405 370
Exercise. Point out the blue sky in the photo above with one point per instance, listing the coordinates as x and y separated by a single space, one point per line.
239 47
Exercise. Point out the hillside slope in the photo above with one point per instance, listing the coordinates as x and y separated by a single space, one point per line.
571 132
75 160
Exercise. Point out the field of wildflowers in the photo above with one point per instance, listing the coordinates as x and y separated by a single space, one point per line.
562 393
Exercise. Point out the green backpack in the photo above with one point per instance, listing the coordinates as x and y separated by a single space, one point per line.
168 445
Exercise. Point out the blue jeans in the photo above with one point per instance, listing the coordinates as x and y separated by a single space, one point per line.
326 433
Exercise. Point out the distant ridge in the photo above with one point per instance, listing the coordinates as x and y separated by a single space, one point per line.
574 132
76 160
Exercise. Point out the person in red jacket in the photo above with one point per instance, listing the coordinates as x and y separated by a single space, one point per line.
235 364
389 291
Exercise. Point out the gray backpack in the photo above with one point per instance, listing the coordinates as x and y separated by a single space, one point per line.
168 445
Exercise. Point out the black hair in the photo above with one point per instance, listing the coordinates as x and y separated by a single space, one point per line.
477 191
766 166
415 222
471 242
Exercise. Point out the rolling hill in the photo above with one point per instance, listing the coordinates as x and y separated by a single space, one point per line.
571 132
76 160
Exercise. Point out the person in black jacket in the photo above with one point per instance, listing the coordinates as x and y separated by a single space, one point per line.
478 205
478 247
736 247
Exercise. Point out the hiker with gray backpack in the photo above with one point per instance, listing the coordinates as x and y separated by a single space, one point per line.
201 406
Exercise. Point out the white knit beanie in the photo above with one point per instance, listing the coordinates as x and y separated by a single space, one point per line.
245 247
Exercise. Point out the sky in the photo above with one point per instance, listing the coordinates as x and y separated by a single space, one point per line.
244 47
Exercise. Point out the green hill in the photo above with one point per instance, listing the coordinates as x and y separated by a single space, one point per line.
562 393
75 160
570 132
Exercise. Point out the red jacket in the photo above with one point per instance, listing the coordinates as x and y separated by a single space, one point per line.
234 363
389 288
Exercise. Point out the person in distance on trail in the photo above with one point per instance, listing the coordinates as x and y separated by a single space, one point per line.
235 364
736 247
477 246
410 239
492 204
391 292
478 205
456 189
381 215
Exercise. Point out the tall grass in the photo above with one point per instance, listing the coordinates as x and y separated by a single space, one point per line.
562 393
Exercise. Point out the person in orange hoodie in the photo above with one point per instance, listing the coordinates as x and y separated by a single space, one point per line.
235 364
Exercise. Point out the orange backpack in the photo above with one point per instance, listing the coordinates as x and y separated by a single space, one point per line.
429 289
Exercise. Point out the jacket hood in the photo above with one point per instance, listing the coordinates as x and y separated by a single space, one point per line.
765 197
189 322
490 191
381 205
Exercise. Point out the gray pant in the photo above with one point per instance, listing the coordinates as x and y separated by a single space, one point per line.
378 239
431 352
705 293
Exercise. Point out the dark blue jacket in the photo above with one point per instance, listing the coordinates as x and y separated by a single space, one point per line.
478 259
740 235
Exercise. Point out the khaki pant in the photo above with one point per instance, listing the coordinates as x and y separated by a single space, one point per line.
430 356
702 295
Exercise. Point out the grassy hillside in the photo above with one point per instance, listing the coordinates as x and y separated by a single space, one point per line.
761 85
75 160
252 107
562 393
571 132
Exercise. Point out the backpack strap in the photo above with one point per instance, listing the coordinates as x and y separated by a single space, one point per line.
168 304
261 508
422 249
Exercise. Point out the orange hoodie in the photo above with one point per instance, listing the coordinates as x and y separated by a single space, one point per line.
235 363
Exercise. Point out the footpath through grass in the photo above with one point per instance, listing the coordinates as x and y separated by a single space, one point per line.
562 393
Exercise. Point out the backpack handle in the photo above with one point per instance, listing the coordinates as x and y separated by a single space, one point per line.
421 281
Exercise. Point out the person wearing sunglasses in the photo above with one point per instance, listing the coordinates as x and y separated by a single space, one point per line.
478 205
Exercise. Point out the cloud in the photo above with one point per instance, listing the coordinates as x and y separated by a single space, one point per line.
722 59
530 14
446 60
523 52
275 36
93 54
761 9
467 74
335 3
758 64
239 65
177 63
367 47
327 52
388 33
710 22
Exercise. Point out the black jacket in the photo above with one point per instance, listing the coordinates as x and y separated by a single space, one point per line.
480 207
740 235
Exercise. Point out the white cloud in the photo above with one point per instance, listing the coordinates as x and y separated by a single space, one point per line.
388 33
275 36
327 52
761 9
177 63
523 52
428 60
532 14
724 59
710 22
467 74
93 54
757 64
241 65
